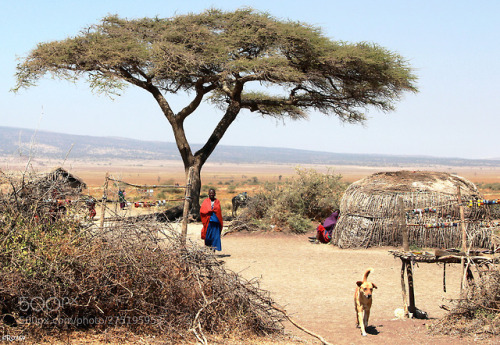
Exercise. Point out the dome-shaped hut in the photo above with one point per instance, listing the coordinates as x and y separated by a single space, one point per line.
374 211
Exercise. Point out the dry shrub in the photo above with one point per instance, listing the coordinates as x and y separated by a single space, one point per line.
478 314
294 204
66 274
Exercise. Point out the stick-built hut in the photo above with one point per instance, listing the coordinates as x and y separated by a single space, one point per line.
57 184
69 184
374 211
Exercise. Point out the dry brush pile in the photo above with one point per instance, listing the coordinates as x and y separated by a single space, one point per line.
477 314
65 274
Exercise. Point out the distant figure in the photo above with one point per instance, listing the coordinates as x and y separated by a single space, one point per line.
239 200
90 203
121 198
211 217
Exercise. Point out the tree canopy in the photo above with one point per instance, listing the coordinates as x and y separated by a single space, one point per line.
237 60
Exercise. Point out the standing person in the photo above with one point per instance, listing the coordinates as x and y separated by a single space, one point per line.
91 206
121 198
211 217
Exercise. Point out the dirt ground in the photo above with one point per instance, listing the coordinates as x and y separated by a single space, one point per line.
315 284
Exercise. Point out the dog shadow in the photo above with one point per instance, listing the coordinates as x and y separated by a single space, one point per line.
372 330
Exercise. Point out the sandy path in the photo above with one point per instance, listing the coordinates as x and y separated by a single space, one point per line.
315 284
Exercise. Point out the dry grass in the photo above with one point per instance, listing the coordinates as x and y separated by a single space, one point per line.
147 172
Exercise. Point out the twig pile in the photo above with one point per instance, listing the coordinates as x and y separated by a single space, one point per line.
478 313
62 275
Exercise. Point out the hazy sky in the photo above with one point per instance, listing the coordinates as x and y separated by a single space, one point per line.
453 45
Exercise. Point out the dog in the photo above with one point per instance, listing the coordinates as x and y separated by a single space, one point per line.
363 301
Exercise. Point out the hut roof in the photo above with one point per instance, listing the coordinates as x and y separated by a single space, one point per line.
58 179
414 181
62 174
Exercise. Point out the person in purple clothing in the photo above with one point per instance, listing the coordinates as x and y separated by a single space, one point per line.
325 230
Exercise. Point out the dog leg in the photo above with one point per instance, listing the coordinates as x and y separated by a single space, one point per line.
365 319
361 323
356 312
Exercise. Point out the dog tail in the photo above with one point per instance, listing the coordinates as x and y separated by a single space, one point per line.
365 277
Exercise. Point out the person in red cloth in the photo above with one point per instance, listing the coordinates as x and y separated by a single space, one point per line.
211 217
91 206
324 231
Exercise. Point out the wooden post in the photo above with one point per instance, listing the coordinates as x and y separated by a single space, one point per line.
411 291
462 281
104 199
187 206
403 287
464 236
462 220
402 224
444 277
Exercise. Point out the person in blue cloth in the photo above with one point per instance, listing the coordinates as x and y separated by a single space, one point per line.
211 218
121 198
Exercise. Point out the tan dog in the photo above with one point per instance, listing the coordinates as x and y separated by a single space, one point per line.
363 301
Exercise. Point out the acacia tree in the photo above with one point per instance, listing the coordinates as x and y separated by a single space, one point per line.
236 60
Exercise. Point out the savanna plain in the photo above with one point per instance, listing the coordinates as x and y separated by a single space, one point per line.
314 283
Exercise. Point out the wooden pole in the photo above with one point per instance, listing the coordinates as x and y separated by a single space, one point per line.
411 291
444 277
462 220
293 322
403 287
464 236
104 199
402 224
187 206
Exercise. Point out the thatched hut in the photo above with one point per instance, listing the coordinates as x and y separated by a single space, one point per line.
71 183
374 211
57 184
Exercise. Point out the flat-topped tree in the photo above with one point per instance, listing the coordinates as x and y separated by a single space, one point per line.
237 60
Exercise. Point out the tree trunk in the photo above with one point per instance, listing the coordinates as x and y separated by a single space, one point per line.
195 189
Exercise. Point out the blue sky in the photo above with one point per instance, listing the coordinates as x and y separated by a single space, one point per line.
453 46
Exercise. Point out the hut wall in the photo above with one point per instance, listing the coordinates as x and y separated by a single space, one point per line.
375 219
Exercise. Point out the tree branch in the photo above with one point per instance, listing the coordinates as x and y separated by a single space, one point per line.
230 115
296 324
176 124
201 91
148 86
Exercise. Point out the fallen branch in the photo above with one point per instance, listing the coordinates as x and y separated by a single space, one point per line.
320 338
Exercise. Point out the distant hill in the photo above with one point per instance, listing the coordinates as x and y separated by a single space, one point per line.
18 141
